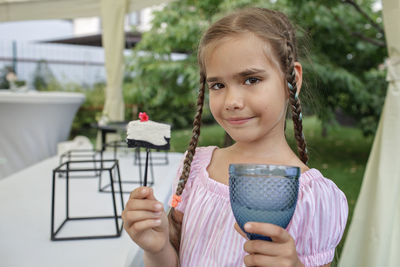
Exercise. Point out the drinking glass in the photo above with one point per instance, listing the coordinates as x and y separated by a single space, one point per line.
263 193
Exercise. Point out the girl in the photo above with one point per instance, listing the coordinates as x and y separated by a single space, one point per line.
248 61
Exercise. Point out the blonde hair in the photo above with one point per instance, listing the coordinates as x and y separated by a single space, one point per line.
276 30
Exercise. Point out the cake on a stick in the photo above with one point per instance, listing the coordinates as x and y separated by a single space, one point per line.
148 134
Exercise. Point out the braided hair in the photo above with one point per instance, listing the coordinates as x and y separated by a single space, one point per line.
195 138
175 226
276 30
294 100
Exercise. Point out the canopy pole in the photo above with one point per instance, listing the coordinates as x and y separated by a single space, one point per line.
113 38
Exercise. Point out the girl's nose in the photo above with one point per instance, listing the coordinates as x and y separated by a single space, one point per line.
233 100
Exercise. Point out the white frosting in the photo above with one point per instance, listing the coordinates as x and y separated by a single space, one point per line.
149 131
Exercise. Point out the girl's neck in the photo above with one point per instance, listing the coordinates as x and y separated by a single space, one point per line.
271 150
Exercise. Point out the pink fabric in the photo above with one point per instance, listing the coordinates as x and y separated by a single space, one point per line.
209 239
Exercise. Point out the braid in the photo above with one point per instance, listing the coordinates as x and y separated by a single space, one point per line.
295 105
175 226
193 142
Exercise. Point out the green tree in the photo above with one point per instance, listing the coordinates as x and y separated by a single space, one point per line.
342 67
163 86
347 55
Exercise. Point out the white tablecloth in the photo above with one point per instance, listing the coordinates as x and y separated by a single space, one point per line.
25 208
32 124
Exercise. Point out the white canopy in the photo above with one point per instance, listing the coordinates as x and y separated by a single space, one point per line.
14 10
374 234
112 13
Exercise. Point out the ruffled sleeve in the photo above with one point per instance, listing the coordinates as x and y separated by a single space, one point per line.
197 163
319 220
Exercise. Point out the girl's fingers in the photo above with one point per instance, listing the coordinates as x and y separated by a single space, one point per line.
262 260
144 204
142 193
144 225
141 205
263 247
265 253
135 216
276 233
237 228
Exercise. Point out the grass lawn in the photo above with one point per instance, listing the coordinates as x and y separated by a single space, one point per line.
341 156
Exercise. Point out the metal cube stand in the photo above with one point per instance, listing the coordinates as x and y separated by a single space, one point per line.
111 166
118 144
81 154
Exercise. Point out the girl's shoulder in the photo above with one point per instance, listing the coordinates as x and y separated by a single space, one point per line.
201 155
204 154
201 159
205 149
313 177
319 219
321 194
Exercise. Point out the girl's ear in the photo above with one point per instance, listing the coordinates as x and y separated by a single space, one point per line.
299 76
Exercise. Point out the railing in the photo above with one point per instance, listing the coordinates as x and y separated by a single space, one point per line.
66 63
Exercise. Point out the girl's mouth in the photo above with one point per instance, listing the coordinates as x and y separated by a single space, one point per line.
238 121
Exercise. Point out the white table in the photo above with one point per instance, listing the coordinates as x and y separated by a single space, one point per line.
25 211
32 124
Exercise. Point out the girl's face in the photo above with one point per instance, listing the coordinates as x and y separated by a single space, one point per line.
246 87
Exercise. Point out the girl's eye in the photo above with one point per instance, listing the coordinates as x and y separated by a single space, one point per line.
217 86
251 80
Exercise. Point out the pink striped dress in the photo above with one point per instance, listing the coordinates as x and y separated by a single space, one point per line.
209 239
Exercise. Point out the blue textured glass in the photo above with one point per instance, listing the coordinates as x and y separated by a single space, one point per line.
263 193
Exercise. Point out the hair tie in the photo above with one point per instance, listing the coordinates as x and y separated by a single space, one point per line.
290 86
175 200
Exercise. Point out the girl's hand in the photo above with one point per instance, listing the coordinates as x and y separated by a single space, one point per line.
280 252
146 221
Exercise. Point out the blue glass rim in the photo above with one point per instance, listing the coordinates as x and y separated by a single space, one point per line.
264 170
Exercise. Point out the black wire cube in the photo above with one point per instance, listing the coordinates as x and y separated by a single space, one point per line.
81 154
83 203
